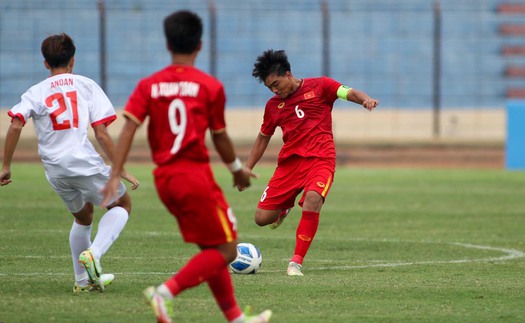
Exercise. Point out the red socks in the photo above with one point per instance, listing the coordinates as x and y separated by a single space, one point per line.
222 288
305 234
197 270
208 265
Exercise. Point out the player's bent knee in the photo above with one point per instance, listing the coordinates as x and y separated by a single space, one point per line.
260 222
231 253
265 217
125 203
313 202
228 250
85 215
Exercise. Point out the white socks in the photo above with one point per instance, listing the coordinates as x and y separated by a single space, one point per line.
79 240
109 228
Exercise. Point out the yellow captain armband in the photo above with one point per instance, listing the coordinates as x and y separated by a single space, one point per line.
342 92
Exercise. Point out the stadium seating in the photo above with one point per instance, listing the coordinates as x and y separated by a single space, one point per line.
514 70
382 46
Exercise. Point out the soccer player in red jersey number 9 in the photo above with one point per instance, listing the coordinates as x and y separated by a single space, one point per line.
182 103
306 162
62 107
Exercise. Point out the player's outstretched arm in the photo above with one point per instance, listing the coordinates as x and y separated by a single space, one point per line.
224 147
121 154
104 140
363 99
106 143
11 140
258 149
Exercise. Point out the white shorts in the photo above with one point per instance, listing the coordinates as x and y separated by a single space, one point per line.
78 190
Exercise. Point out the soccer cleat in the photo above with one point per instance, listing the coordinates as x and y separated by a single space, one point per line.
93 269
161 306
105 278
262 317
81 289
280 219
294 269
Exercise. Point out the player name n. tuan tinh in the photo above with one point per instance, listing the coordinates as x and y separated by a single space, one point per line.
167 89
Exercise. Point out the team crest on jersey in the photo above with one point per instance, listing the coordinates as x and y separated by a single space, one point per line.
321 184
281 105
309 95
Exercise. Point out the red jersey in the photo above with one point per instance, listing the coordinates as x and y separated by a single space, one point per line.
305 118
182 102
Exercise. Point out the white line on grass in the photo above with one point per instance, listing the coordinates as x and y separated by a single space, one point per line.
508 254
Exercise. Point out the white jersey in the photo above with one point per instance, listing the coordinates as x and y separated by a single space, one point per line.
62 108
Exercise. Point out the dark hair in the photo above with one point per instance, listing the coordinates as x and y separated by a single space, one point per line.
58 50
183 31
270 62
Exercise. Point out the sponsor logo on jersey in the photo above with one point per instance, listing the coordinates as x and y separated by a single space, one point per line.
281 105
309 95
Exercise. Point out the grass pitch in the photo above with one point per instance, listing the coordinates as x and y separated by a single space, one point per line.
393 245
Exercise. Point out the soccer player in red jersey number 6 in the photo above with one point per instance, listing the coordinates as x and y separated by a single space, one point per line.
62 107
306 162
182 103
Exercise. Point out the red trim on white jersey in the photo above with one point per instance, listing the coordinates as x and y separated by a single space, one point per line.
106 121
17 115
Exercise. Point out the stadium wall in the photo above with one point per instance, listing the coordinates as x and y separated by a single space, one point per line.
356 125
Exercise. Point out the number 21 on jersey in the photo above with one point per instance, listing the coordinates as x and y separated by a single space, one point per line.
62 107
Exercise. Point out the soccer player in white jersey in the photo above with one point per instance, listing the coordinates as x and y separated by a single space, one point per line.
62 107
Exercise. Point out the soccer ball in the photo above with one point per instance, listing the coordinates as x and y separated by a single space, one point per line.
248 259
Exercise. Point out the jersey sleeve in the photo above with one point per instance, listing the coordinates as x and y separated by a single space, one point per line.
330 87
102 110
136 108
25 109
268 126
217 106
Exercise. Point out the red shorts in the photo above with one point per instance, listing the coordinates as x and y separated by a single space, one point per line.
189 191
296 175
